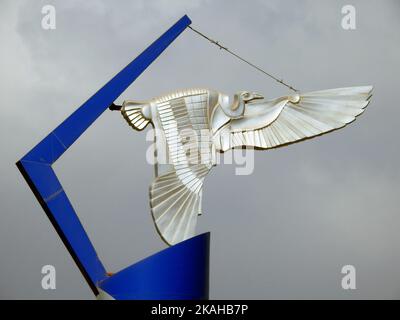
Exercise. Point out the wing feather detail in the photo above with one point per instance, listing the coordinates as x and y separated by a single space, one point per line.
175 197
316 113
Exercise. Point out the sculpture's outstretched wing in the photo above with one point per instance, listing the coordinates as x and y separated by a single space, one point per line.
175 196
287 120
176 192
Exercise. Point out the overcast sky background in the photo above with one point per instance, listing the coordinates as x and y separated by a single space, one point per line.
284 231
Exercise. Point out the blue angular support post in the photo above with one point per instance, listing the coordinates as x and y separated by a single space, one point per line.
36 167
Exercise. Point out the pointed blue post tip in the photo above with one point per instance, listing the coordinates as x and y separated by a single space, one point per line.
185 17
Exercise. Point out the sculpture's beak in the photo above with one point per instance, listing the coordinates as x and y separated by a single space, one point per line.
257 96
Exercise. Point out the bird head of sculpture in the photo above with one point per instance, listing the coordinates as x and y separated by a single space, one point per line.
240 99
248 96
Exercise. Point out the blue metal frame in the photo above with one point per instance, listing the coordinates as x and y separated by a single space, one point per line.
36 165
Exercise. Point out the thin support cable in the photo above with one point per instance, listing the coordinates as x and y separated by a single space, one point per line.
221 47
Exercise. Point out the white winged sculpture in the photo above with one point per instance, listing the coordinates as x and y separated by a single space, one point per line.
192 125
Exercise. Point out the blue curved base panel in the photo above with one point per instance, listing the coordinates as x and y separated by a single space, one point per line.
178 272
36 168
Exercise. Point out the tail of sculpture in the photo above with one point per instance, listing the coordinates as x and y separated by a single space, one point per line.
134 114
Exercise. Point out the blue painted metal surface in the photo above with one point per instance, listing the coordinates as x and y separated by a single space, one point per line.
178 272
36 168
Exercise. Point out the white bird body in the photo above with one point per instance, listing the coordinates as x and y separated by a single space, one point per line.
192 125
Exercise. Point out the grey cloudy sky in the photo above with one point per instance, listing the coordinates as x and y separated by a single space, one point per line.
284 231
